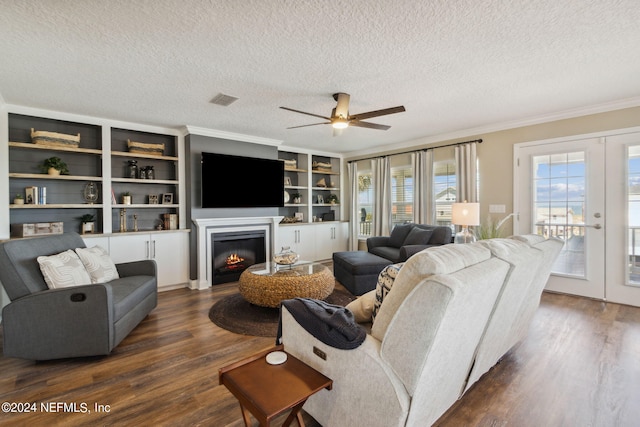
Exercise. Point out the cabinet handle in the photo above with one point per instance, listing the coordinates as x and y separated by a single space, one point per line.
148 253
154 249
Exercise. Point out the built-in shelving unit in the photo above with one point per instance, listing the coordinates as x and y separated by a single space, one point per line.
101 158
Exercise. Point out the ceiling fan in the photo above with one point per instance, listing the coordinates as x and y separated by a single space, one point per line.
340 117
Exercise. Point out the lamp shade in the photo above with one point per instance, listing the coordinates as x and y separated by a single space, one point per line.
465 213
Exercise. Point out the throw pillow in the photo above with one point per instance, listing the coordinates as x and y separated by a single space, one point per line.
63 270
398 234
98 264
362 307
385 281
418 236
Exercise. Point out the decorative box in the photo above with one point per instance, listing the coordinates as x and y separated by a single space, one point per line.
37 229
145 148
54 139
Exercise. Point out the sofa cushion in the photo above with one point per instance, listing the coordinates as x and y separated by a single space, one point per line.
418 236
359 263
399 234
63 270
98 264
130 291
385 282
362 307
389 253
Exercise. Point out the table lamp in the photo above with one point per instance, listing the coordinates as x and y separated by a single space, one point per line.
465 214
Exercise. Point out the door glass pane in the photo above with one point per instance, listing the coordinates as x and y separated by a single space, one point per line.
365 203
559 203
633 201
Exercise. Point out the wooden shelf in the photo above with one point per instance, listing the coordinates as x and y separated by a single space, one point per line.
294 205
326 188
294 170
145 181
325 172
57 177
58 206
143 156
145 206
32 146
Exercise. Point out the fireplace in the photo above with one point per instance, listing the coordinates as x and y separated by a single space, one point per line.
234 252
207 228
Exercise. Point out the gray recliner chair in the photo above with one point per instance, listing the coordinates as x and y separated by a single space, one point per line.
88 320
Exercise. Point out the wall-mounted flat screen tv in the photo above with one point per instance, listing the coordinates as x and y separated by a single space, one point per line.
241 182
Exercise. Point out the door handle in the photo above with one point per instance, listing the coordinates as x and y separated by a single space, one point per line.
596 226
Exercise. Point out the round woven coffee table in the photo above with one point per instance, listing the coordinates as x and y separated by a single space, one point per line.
268 284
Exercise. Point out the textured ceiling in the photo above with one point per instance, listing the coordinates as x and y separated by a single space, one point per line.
454 65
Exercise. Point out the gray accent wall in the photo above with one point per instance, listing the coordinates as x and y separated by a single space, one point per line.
195 145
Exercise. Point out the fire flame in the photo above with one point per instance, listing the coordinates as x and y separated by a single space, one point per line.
234 259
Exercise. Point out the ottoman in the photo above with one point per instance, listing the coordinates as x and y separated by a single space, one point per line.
358 270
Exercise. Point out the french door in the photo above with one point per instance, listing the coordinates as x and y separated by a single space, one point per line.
587 193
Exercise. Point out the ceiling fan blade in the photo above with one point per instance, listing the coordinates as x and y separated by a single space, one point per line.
377 113
360 124
312 124
342 108
304 112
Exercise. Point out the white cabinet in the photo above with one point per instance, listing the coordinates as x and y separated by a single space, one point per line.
169 250
330 238
315 241
299 238
91 241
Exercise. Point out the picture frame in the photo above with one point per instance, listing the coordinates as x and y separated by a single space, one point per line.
287 180
153 199
320 198
167 198
299 216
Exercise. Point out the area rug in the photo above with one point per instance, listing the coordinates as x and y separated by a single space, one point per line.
235 314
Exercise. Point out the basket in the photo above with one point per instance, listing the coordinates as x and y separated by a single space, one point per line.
145 148
54 139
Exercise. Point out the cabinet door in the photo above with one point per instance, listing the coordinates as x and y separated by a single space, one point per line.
133 247
340 237
170 250
330 238
299 239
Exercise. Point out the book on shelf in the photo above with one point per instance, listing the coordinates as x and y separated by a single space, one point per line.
35 195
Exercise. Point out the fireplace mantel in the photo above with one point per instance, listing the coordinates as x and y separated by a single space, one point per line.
207 226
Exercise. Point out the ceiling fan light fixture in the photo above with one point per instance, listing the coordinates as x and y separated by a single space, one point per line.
340 123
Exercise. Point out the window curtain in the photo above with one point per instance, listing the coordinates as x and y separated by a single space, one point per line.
382 196
466 173
423 200
352 168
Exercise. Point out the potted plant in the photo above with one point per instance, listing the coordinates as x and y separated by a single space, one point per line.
87 223
126 198
297 197
18 200
333 199
54 166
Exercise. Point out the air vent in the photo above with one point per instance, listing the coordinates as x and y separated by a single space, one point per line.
224 100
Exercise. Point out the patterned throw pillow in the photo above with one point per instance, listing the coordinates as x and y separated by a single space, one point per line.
63 270
98 264
385 282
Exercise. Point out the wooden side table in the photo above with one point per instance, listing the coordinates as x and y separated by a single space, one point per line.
267 391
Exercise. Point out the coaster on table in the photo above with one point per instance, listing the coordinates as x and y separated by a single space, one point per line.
276 357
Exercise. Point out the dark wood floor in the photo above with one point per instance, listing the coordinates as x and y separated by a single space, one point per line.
579 366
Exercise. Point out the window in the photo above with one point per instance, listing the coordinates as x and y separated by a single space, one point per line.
401 195
365 202
444 189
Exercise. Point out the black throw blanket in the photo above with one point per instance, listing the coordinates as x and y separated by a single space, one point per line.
332 324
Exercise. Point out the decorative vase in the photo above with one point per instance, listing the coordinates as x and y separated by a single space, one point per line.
53 172
296 200
18 201
126 200
286 256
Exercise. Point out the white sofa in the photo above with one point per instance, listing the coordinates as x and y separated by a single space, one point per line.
451 314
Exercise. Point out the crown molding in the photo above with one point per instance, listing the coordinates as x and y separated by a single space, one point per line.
497 127
214 133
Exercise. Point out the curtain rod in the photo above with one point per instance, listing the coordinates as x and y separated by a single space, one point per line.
479 141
